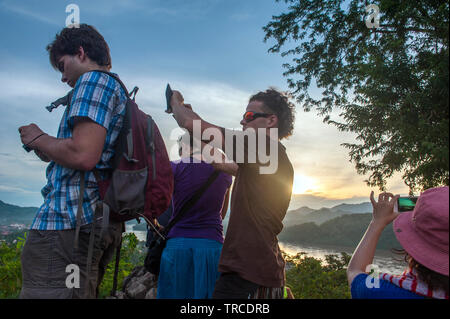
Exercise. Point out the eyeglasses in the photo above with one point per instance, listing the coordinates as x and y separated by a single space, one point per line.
250 116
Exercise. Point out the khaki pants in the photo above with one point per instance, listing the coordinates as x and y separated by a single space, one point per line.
47 254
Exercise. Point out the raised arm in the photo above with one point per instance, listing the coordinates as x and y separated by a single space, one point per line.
383 215
185 118
218 160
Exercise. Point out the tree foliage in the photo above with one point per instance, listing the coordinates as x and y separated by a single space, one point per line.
391 83
10 267
310 278
307 277
131 255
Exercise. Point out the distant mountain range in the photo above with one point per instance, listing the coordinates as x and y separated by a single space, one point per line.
346 230
12 214
316 201
319 216
341 225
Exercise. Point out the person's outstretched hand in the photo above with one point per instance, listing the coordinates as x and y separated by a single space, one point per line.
182 113
176 99
383 210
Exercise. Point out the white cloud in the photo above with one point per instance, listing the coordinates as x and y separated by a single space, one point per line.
5 188
31 85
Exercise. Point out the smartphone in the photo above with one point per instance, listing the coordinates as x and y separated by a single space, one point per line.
405 204
169 94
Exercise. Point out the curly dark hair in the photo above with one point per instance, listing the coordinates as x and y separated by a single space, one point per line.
278 103
432 278
69 40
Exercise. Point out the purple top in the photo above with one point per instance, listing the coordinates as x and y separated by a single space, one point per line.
203 220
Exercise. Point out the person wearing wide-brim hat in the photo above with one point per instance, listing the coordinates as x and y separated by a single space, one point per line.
423 234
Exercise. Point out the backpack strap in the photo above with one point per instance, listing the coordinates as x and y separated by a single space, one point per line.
79 211
189 204
115 77
105 222
129 136
77 231
116 269
151 144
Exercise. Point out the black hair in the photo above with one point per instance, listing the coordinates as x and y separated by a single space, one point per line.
69 40
433 279
278 103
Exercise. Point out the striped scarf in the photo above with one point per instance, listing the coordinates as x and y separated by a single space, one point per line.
409 280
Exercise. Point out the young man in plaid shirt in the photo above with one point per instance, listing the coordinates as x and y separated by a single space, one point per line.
85 141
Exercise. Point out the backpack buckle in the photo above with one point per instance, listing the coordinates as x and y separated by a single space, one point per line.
133 92
130 159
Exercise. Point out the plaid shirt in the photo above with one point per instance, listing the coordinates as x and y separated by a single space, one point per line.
100 98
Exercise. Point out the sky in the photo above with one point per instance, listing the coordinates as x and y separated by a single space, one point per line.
213 51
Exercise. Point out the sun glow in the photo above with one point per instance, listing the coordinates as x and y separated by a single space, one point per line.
303 184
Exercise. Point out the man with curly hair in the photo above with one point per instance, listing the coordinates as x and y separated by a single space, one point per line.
251 264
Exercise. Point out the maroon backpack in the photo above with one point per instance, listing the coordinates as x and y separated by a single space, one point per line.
141 183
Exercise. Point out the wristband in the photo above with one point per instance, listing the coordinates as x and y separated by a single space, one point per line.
27 148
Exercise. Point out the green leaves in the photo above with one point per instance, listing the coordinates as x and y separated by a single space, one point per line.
10 269
392 83
310 278
132 254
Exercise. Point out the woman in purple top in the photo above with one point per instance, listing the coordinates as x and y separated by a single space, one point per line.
190 259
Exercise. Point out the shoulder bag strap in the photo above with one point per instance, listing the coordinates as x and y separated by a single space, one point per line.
115 77
189 204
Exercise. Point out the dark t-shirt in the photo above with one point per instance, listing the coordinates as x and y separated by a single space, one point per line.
258 205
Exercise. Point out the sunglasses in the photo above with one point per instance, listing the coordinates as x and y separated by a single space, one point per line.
250 116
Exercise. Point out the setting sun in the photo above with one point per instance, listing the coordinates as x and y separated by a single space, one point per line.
303 184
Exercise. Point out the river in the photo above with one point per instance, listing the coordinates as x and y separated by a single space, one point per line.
384 259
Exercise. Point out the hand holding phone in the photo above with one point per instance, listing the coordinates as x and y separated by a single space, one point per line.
383 210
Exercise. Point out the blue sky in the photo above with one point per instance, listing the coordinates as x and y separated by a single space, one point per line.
211 50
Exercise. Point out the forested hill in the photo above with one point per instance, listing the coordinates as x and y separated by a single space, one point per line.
346 230
11 214
306 215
